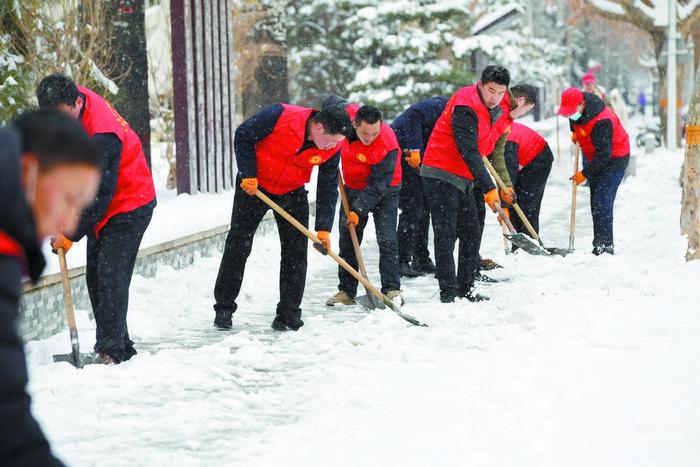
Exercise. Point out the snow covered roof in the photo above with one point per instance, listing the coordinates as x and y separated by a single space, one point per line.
500 15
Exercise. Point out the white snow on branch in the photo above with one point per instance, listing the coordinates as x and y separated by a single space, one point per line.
685 10
106 82
608 7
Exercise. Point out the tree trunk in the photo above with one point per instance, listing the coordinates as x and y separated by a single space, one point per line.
129 42
261 53
690 178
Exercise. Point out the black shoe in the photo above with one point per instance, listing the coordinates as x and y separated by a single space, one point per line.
282 324
287 321
599 250
223 319
485 279
424 266
448 296
405 270
473 296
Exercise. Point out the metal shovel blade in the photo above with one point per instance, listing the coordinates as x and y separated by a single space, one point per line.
558 251
79 362
365 302
527 244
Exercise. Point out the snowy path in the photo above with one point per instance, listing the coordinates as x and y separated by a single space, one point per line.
577 361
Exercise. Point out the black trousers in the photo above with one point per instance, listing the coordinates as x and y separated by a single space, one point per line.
480 208
110 264
414 220
455 217
384 215
530 183
247 213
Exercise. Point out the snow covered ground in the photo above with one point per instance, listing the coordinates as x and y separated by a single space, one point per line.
576 361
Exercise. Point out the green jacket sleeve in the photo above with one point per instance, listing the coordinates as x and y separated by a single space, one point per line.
499 161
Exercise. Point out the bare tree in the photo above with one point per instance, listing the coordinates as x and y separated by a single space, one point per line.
643 14
58 37
690 178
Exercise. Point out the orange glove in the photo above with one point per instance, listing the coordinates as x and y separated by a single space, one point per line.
508 195
61 242
353 218
574 138
506 214
578 178
491 199
325 238
250 185
413 158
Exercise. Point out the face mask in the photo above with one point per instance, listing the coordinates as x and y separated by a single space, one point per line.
575 116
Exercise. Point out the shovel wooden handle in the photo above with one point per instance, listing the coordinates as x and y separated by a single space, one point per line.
300 227
70 310
351 227
572 223
67 294
519 212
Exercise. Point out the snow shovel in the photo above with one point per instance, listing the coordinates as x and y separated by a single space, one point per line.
572 224
75 358
523 218
367 301
318 245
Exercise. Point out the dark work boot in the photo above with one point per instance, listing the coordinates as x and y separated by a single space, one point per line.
223 318
424 265
287 320
603 249
448 296
405 270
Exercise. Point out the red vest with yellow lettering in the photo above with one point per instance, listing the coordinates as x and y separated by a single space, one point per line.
529 142
442 152
358 159
621 141
281 168
134 182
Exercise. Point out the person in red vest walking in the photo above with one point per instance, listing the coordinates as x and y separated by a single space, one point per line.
372 173
50 171
606 150
474 119
277 150
529 161
115 223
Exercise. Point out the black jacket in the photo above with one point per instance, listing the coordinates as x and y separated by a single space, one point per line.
21 441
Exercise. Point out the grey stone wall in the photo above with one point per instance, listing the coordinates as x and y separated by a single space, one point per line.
42 312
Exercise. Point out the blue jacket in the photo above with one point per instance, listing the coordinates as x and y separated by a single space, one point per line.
414 126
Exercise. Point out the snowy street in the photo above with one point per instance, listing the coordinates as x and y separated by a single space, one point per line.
575 361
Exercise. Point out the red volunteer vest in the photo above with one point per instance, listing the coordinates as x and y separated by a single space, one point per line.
358 159
281 167
134 182
621 141
9 247
529 142
442 152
